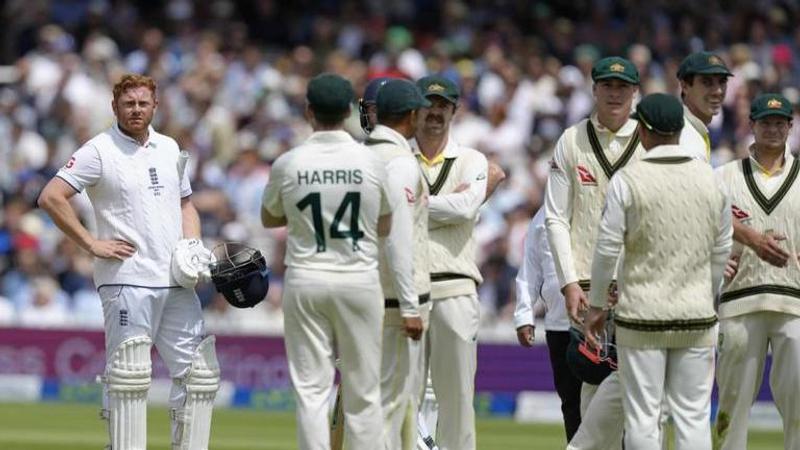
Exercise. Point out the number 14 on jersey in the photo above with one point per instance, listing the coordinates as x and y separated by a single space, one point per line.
351 201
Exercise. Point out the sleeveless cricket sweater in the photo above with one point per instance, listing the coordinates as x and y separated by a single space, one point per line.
666 298
592 171
452 247
389 150
137 199
758 286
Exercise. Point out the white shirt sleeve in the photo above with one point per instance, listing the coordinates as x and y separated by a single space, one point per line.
186 185
529 281
558 210
722 246
388 201
719 177
610 239
83 169
402 177
271 200
462 206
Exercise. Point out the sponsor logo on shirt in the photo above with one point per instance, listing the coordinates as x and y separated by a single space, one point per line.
739 213
155 187
586 178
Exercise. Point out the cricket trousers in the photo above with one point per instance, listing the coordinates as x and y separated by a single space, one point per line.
602 420
682 379
743 343
452 358
328 314
567 384
401 380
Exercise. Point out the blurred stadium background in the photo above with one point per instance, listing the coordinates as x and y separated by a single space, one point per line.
232 78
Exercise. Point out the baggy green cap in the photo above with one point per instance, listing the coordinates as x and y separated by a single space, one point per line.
770 105
437 85
615 67
397 96
704 63
660 113
329 93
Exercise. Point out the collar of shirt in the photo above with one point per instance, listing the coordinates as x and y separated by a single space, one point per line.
787 162
150 135
450 151
695 121
626 130
327 137
390 134
666 151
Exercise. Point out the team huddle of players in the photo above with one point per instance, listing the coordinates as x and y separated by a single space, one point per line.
648 254
381 271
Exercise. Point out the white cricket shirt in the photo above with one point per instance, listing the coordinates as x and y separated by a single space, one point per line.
331 189
694 137
136 193
537 279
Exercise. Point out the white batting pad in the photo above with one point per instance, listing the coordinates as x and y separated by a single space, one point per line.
127 380
192 422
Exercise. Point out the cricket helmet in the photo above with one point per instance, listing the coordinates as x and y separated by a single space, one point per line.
240 274
369 98
588 364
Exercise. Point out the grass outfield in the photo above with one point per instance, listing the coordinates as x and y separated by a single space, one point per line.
57 426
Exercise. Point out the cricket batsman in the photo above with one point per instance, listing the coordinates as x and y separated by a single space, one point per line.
141 195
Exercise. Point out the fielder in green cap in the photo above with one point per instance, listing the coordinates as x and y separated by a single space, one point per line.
437 86
459 179
703 77
766 105
673 223
586 157
331 194
405 252
329 98
758 307
661 114
616 68
704 82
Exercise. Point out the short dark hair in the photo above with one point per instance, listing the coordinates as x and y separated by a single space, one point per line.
392 118
329 119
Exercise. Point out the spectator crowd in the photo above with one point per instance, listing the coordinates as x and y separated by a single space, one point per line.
232 78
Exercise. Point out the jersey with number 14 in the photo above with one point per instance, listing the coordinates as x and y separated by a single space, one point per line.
331 189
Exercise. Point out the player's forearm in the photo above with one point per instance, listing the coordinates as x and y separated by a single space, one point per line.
561 246
190 219
63 215
496 176
558 213
400 258
603 266
608 247
722 250
744 234
451 209
523 310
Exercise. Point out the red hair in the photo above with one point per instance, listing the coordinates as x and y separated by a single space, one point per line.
131 81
